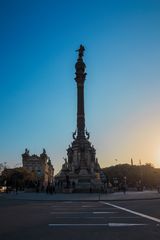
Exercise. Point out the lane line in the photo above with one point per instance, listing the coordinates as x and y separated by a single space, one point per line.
96 225
74 217
126 224
85 206
104 212
81 207
124 217
133 212
70 213
76 225
66 207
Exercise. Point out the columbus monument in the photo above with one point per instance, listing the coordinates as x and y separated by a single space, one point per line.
81 171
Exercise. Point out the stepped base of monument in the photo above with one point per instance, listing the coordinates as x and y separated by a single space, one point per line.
79 184
67 190
82 188
87 191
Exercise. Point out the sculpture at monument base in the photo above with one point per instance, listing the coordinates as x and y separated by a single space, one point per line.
82 168
81 171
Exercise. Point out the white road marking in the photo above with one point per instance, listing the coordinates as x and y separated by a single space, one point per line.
58 212
96 225
126 224
103 212
75 225
99 208
123 217
85 206
66 207
70 212
70 217
134 212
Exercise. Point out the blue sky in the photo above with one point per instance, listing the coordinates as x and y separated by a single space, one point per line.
37 88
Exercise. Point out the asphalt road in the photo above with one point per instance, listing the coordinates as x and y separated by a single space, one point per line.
123 220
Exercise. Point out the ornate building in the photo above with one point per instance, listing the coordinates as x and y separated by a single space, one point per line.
41 165
81 170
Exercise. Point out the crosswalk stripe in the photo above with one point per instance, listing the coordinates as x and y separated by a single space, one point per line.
96 225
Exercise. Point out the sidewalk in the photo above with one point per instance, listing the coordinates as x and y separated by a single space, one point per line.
117 196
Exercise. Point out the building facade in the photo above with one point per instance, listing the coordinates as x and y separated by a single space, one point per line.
41 165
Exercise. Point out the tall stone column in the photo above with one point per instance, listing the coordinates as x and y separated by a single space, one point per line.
80 78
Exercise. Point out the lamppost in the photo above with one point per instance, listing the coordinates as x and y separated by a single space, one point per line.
38 180
125 184
140 182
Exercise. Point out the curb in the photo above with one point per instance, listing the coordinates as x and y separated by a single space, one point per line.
78 200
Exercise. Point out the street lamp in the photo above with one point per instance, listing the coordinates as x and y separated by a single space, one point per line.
125 184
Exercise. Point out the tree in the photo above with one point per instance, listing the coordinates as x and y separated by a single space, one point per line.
146 174
19 177
2 167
